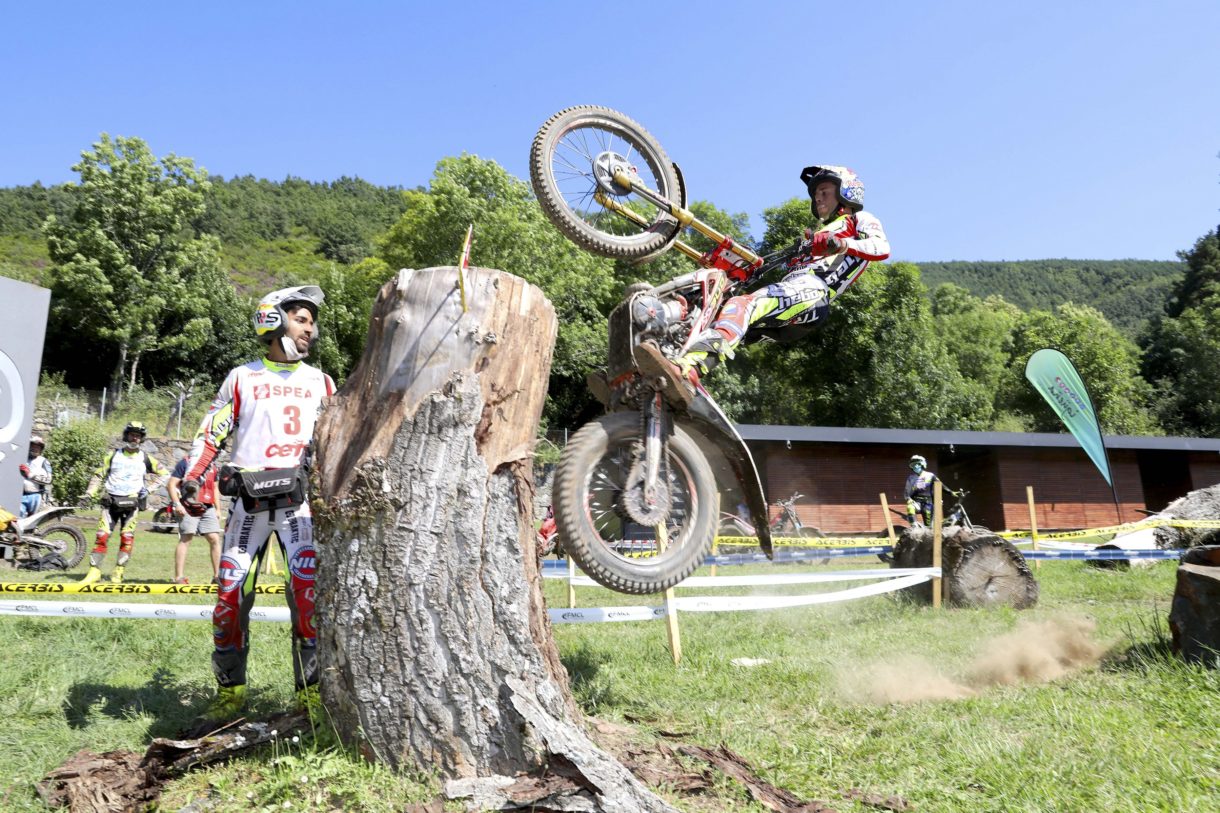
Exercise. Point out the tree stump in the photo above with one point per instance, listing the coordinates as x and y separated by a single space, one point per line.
1203 503
1194 616
980 569
433 638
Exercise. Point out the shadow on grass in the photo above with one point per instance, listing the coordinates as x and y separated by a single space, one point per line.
169 702
1150 645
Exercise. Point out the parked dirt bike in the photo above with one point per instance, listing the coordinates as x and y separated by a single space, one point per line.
785 523
41 534
634 492
166 518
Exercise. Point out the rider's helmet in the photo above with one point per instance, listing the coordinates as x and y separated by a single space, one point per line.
134 434
917 463
36 440
850 187
271 315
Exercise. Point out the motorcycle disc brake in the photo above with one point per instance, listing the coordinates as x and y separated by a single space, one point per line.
635 505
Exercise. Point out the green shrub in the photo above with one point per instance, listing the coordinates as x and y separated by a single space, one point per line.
75 451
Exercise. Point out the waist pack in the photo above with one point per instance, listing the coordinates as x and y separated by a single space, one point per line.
128 503
267 490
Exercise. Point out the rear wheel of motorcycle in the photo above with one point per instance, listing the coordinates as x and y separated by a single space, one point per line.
562 171
65 540
162 517
596 530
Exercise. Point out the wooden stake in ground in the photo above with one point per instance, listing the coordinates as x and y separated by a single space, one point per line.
433 640
1033 523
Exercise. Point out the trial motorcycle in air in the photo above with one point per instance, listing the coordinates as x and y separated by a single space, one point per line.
635 494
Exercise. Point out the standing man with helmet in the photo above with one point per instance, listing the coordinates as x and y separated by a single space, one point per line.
35 477
124 493
827 263
918 491
268 409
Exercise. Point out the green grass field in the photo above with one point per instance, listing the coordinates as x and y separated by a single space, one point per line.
1075 705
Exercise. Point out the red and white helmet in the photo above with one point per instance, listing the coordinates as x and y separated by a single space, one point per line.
850 187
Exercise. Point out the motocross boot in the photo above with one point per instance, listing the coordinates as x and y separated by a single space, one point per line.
227 704
116 575
93 575
677 382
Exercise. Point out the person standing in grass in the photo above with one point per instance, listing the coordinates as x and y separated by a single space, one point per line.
206 525
267 408
121 478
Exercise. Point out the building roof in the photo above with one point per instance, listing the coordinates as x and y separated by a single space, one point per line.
946 437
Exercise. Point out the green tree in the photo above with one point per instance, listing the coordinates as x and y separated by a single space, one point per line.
976 333
132 277
512 235
1182 347
1107 361
75 450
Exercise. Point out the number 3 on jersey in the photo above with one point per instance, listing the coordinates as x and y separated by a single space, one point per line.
293 426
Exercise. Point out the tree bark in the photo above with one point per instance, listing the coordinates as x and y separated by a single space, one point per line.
1194 616
433 637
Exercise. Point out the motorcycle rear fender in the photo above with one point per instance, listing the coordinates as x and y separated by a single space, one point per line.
46 515
707 419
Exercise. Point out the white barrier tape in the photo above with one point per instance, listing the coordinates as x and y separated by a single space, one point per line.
785 578
92 609
701 604
1103 554
588 615
195 612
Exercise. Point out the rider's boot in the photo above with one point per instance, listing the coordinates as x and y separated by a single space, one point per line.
678 380
94 574
116 575
227 704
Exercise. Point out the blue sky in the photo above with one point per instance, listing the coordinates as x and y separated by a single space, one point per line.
982 131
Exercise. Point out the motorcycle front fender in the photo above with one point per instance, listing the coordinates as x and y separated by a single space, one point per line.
707 418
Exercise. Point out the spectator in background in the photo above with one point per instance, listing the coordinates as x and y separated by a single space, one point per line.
206 525
35 477
918 492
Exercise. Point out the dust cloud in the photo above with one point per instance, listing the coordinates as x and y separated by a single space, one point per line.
1035 652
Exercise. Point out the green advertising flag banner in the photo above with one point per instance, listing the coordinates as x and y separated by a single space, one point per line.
1056 380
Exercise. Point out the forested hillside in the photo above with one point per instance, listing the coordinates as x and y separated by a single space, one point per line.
938 345
1128 292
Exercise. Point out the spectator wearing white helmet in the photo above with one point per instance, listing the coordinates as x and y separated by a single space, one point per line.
35 477
265 413
844 240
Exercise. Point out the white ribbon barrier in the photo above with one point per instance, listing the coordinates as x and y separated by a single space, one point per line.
702 604
92 609
196 612
787 578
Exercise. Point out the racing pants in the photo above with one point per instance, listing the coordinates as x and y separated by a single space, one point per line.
246 538
113 517
782 312
920 507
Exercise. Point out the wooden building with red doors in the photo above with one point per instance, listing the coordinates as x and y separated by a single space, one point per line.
842 473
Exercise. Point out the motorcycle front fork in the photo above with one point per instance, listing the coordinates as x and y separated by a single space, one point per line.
654 445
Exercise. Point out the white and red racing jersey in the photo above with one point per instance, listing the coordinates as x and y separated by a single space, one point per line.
268 409
863 240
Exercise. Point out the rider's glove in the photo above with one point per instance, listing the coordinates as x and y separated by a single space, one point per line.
25 470
819 244
85 501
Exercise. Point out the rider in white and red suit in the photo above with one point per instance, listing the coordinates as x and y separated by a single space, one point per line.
268 409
